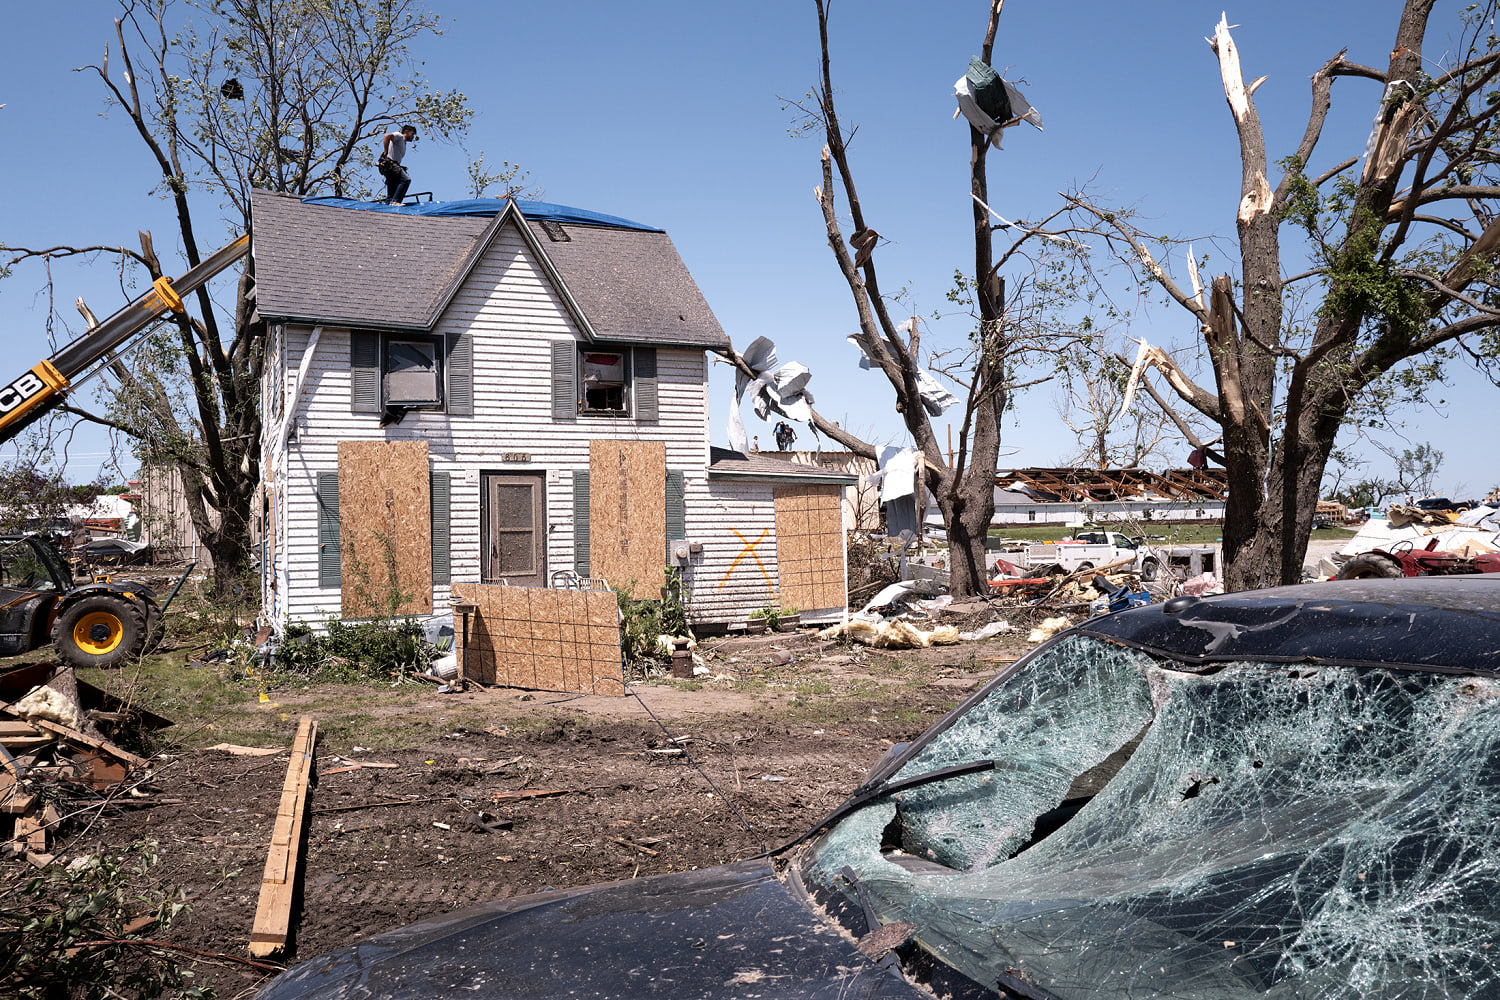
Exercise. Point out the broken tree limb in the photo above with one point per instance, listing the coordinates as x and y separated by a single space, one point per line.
1255 192
278 885
644 850
537 793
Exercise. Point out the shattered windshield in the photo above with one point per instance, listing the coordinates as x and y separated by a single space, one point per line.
1259 831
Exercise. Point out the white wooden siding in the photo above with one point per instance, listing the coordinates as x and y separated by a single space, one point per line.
513 315
725 582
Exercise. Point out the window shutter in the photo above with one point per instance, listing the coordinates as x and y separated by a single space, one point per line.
460 374
330 566
676 506
364 366
646 406
581 523
441 519
564 380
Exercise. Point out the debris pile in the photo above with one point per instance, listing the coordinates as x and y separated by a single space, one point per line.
53 758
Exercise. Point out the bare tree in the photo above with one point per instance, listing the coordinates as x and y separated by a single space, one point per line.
988 368
1403 274
279 94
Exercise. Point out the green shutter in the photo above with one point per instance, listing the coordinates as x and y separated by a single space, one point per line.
330 565
460 374
676 506
564 380
646 405
441 519
581 523
364 368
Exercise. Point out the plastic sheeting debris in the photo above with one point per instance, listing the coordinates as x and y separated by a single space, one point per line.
935 399
776 388
992 629
973 91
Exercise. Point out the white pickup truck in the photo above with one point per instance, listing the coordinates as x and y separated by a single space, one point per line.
1089 549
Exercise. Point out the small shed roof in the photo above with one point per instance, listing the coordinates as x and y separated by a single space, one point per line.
726 464
328 261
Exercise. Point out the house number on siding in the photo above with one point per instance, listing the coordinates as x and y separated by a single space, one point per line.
515 456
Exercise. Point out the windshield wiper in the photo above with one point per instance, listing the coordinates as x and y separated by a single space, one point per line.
872 790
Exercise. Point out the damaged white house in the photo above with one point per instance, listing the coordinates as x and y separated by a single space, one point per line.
508 392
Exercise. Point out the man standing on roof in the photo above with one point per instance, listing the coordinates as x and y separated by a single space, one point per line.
392 152
785 436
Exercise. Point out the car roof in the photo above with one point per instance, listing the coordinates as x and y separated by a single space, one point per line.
1449 624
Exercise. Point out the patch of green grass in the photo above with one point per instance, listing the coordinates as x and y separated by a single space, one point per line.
812 687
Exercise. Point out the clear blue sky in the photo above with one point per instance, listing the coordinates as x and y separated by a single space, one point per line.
672 113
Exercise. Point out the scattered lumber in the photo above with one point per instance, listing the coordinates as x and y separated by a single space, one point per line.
534 793
278 885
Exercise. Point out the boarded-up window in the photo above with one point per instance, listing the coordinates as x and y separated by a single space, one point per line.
550 640
384 511
627 514
810 547
514 523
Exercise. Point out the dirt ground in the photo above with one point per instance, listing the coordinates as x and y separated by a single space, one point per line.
678 775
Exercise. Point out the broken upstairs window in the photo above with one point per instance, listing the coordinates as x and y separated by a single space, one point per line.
1260 831
411 373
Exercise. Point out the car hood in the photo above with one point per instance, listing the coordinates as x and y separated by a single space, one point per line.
733 931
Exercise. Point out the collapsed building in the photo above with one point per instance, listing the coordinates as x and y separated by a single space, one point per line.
1078 496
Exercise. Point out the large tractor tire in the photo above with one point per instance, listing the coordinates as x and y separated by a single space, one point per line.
1370 566
100 630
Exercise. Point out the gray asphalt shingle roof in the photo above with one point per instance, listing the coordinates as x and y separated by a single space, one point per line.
342 266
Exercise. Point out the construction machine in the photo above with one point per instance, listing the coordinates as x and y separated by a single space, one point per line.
101 623
1404 559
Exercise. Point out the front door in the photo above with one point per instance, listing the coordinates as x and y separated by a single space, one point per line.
513 529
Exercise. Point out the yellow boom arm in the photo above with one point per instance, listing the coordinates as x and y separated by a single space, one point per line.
47 383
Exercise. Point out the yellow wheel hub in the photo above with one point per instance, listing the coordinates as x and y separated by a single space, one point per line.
98 632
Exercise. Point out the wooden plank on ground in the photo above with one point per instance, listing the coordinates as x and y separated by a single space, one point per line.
16 727
75 737
279 883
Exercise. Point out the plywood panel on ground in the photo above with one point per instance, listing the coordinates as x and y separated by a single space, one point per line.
546 640
810 547
385 522
627 515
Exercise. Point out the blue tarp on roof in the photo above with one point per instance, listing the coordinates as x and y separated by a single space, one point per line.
489 206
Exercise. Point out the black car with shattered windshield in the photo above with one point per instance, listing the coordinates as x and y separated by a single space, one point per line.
1288 793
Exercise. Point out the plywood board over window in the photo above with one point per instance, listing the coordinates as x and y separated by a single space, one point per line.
810 547
627 514
385 527
547 640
